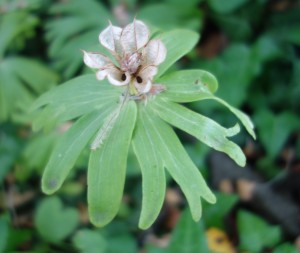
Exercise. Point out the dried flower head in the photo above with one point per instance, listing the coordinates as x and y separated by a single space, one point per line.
137 57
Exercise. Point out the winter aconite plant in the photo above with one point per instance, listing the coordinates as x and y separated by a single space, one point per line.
133 101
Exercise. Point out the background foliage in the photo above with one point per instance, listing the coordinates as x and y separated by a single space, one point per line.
252 47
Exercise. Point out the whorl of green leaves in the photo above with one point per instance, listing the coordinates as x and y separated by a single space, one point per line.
145 125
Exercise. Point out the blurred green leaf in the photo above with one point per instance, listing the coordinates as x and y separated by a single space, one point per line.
74 26
234 70
21 79
286 248
9 151
188 236
255 233
179 16
15 27
107 168
227 6
17 237
4 232
36 153
89 241
273 130
54 222
214 214
122 243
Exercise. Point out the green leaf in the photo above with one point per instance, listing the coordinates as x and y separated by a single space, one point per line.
153 172
88 94
36 75
74 26
274 130
107 168
227 6
21 80
203 128
69 147
53 222
255 233
192 85
214 214
4 233
88 241
122 243
188 236
14 26
177 162
9 152
286 248
178 43
235 70
184 16
186 85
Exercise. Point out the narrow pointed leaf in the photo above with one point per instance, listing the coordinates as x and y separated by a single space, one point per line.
87 94
79 89
153 172
178 163
186 85
178 43
203 128
107 168
193 85
69 147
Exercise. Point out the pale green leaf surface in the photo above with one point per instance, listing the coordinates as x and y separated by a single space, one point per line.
78 89
107 168
54 222
69 147
88 94
178 43
185 84
193 85
203 128
178 163
153 172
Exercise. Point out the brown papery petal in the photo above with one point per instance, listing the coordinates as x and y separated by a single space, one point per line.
155 53
110 39
134 36
95 60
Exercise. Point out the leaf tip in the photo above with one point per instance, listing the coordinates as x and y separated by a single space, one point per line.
49 186
100 218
